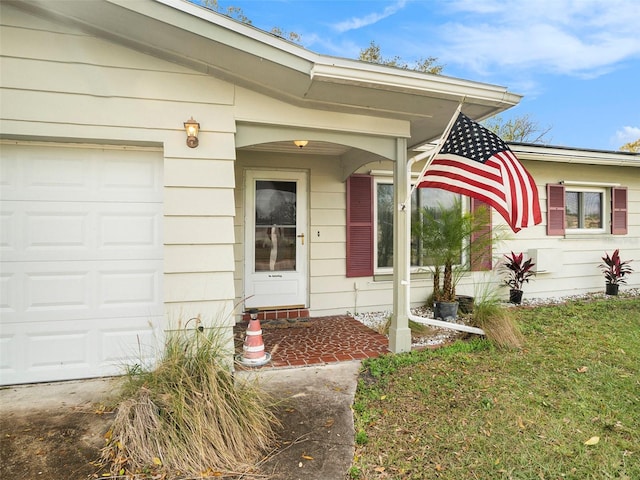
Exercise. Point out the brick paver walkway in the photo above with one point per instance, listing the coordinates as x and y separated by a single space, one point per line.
316 341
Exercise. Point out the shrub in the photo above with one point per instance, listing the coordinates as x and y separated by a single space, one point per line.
614 269
498 324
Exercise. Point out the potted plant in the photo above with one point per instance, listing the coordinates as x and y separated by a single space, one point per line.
443 234
518 273
614 270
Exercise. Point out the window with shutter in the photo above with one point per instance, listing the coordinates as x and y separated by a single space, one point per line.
619 211
555 209
359 226
480 254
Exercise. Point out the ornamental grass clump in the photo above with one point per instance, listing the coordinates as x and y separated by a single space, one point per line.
189 416
498 324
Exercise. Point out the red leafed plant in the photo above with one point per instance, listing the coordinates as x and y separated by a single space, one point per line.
615 269
518 271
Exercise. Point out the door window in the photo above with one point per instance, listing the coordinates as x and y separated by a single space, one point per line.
275 226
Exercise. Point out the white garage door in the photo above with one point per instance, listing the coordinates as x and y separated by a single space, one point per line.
81 260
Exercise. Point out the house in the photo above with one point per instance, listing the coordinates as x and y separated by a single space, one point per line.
114 230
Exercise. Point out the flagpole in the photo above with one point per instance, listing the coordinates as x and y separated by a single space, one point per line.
407 202
435 152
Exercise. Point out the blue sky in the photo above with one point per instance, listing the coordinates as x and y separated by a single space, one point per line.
577 62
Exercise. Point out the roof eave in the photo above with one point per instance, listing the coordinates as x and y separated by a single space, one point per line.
193 36
557 154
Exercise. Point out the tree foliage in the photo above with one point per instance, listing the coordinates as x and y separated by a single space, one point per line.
373 54
233 12
633 147
518 129
238 14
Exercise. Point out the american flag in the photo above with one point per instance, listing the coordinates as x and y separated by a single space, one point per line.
473 161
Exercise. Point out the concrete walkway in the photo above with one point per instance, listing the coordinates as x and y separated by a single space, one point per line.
318 421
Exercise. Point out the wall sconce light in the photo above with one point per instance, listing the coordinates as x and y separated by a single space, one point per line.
192 128
300 143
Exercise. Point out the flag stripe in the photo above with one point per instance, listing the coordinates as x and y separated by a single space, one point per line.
484 178
483 184
474 161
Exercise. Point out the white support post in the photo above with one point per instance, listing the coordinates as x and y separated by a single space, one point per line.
399 332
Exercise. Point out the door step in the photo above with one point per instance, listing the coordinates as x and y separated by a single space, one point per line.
279 314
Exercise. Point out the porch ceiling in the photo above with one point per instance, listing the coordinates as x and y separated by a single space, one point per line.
195 37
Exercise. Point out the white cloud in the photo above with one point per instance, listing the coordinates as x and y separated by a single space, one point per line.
584 38
627 134
369 19
345 48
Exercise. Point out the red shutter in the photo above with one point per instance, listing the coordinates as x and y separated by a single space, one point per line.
619 224
555 209
360 226
481 258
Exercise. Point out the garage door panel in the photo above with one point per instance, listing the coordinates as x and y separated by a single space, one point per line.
129 287
43 227
7 352
65 231
82 261
56 230
52 349
100 289
9 293
143 177
57 173
57 291
137 344
130 228
7 232
63 350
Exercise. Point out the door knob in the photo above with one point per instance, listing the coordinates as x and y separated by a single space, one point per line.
301 236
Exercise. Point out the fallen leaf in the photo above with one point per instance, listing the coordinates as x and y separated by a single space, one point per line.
157 461
383 397
583 369
379 469
307 457
329 423
592 441
521 423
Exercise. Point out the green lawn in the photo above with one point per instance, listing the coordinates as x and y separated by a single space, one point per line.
565 406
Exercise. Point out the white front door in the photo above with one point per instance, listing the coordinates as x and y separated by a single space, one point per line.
276 239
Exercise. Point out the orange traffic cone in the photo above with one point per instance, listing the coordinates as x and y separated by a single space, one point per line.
253 354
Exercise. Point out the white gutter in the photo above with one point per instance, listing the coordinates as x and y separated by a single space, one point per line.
550 153
440 323
381 77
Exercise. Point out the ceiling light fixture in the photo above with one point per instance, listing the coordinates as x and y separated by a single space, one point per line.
300 143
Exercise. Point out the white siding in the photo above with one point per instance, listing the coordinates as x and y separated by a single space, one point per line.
579 255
